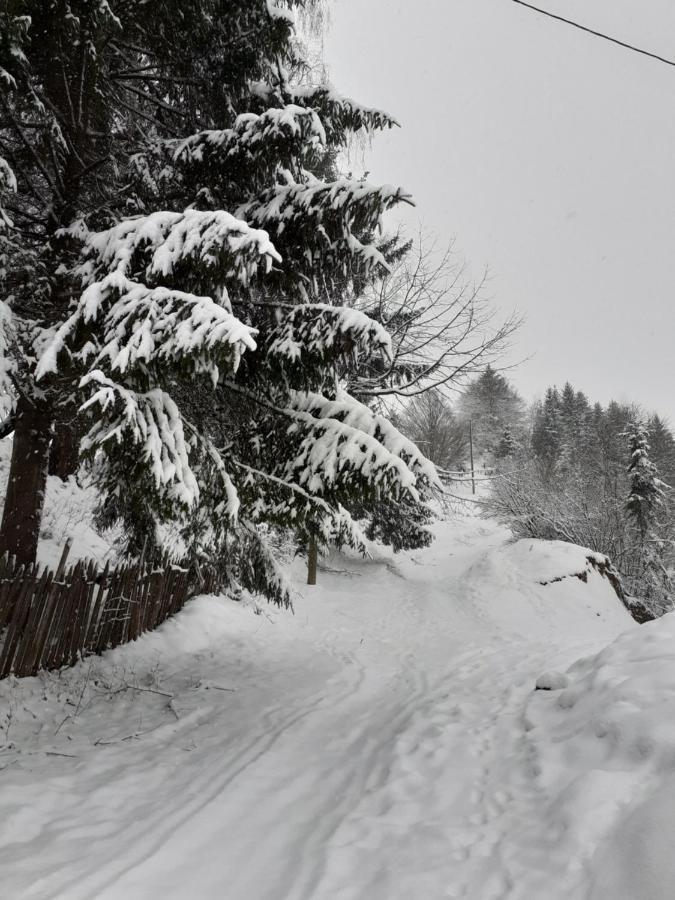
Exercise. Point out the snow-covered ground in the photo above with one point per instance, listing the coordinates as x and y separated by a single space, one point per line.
384 742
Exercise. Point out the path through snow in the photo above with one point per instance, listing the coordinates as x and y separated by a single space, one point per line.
371 747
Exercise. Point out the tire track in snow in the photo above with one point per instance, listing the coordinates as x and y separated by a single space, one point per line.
370 762
389 760
205 787
414 806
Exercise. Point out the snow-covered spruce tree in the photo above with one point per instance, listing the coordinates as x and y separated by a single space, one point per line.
491 404
546 437
177 247
646 488
662 447
507 447
645 502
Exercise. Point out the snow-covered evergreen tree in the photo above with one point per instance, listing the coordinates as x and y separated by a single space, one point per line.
646 488
492 404
189 242
662 447
644 506
575 483
546 431
507 446
572 417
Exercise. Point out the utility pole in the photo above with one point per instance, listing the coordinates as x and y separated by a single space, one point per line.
473 480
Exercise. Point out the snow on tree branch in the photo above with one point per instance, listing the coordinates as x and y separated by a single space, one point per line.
279 13
135 339
150 420
253 134
342 441
257 569
365 202
7 184
318 329
340 529
139 326
7 178
277 497
13 32
330 220
340 115
168 244
361 418
7 361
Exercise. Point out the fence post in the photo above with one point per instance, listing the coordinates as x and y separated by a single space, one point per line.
64 558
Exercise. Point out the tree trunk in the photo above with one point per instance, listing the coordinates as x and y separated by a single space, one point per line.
64 455
24 499
312 558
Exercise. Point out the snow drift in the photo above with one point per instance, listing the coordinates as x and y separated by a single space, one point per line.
544 588
605 751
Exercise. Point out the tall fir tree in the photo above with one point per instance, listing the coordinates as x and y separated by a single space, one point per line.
176 245
645 487
662 446
644 507
507 447
491 404
546 439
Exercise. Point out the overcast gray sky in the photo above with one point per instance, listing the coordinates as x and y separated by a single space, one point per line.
550 156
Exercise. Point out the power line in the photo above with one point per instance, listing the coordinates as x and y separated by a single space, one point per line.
605 37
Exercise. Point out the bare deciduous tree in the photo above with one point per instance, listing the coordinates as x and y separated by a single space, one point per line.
429 420
443 326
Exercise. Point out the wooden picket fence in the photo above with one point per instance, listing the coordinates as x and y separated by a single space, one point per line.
50 619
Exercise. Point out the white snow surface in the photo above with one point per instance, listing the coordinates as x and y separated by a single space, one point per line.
385 742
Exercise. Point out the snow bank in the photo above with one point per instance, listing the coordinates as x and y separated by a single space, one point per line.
205 622
536 589
605 750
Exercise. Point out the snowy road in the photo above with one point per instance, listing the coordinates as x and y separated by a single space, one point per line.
374 746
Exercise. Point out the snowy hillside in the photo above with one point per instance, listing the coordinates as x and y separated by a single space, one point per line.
384 742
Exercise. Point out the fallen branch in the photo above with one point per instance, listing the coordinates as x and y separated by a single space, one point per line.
135 687
127 737
63 722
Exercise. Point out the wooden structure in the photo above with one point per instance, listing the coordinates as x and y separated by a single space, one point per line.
50 619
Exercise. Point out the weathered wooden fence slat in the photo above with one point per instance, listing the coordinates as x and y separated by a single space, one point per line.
16 622
50 619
